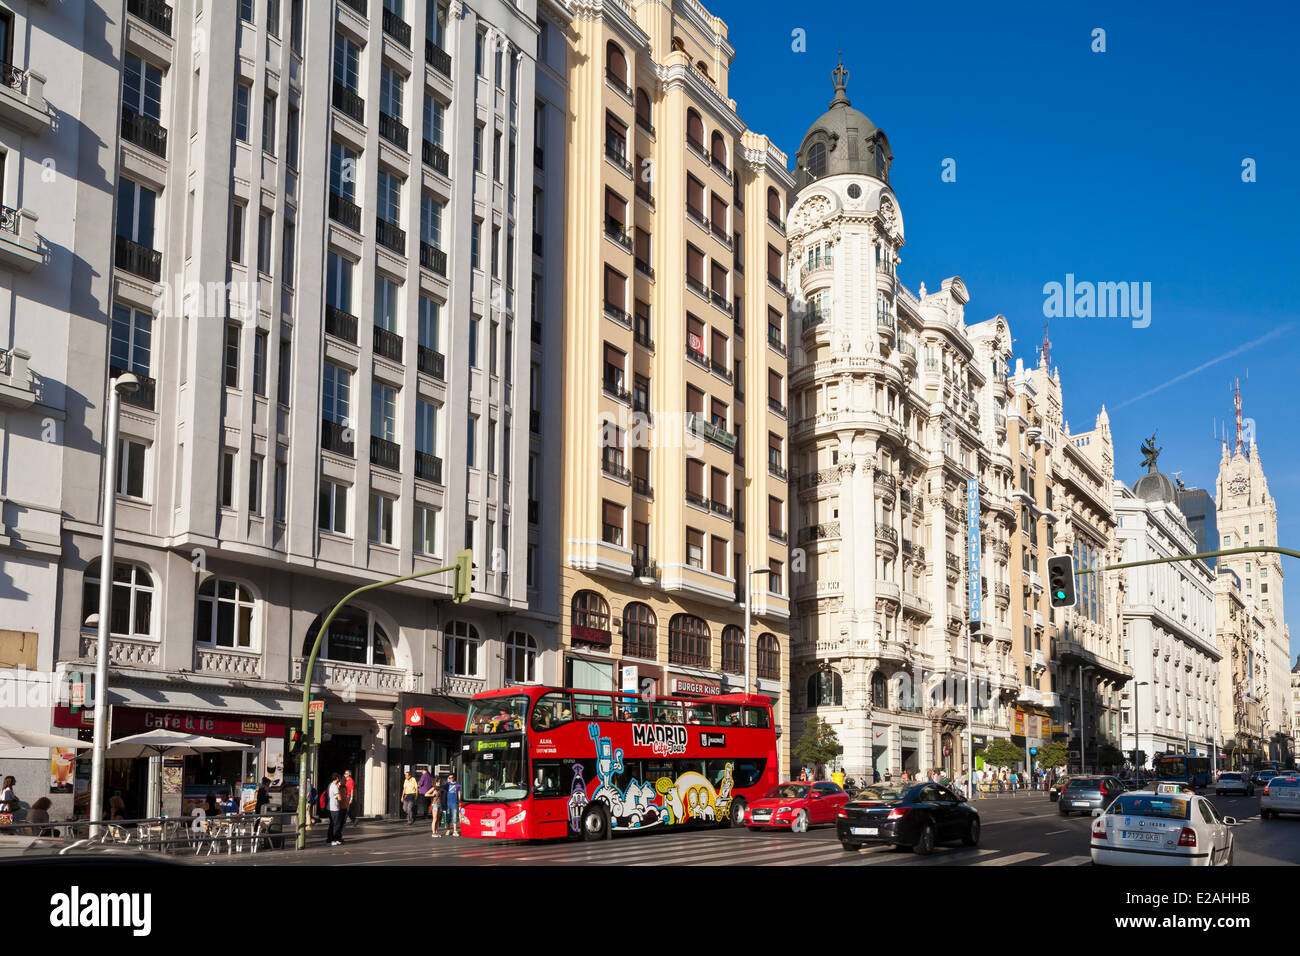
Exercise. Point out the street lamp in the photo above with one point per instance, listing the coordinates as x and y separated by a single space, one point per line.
749 576
1136 742
123 384
1083 750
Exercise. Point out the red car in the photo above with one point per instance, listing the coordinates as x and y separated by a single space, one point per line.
797 806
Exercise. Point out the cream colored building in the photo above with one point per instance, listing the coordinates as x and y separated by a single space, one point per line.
674 459
1239 629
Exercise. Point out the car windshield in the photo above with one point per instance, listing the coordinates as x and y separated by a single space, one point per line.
882 793
788 791
1135 805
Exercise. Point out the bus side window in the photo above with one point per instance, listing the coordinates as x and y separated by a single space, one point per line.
552 710
548 779
746 773
700 714
668 712
633 709
592 707
756 717
728 715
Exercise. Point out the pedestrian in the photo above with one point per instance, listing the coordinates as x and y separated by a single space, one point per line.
336 796
39 812
435 805
453 805
353 805
422 800
263 795
210 808
9 802
410 789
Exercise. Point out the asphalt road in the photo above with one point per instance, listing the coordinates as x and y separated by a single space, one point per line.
1025 830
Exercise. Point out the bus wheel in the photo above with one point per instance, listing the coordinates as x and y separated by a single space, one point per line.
735 814
594 824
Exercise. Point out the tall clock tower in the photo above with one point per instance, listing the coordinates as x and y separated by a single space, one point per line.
1247 515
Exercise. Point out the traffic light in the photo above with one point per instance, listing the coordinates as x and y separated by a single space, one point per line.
295 739
1060 580
463 584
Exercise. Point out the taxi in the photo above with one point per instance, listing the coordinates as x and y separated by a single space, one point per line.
1170 827
1280 795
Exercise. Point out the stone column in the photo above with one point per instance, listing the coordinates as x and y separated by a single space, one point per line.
376 800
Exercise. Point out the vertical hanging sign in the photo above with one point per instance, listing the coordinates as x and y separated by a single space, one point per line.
973 547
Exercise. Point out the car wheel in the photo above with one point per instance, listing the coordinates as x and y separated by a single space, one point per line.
925 843
594 825
800 823
972 834
850 846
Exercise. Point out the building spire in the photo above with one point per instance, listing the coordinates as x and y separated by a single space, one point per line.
840 78
1046 352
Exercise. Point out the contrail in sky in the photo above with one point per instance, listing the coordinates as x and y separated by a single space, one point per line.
1200 368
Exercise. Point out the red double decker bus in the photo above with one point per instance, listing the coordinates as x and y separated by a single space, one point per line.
544 762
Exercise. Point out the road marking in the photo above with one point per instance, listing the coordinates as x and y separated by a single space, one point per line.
1070 861
1008 860
1055 832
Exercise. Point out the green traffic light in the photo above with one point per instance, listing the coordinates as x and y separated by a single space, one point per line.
1060 595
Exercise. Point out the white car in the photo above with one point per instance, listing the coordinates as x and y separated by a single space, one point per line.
1280 795
1233 782
1159 829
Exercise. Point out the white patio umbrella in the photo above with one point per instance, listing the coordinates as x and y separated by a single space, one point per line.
13 738
169 743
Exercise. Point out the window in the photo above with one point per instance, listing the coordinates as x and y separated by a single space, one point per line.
264 243
611 523
478 148
768 658
131 603
521 658
430 312
226 615
281 491
130 468
643 115
338 282
343 172
383 411
268 124
272 17
430 221
590 611
694 130
226 491
381 518
287 257
695 547
390 198
475 260
386 303
242 93
131 340
616 65
424 537
232 355
774 204
463 658
733 650
135 212
435 119
347 59
332 514
354 637
639 627
826 689
473 342
259 363
141 84
237 232
336 394
688 641
776 569
390 92
718 149
246 10
815 162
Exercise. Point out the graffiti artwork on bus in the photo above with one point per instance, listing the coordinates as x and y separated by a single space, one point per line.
642 804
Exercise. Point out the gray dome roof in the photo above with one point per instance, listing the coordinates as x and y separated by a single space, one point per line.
842 140
1155 486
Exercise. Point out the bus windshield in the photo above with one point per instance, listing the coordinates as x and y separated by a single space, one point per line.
1174 768
494 773
496 715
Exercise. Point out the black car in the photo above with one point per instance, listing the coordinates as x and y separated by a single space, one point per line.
1085 794
916 815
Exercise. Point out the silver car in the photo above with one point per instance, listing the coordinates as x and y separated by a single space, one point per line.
1280 795
1233 782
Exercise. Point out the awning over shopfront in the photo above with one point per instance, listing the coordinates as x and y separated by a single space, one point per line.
432 711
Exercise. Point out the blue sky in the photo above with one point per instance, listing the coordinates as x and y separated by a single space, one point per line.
1117 166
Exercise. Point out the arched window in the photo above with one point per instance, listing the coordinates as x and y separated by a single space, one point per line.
769 657
616 65
639 631
688 641
825 689
733 650
774 205
131 611
521 658
882 167
679 44
702 67
225 615
463 657
589 621
879 690
354 637
643 115
695 130
718 150
816 159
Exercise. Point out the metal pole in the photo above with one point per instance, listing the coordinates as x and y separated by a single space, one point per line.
100 739
1135 727
970 716
747 607
1083 748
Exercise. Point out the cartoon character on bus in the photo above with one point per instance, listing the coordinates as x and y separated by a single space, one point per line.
608 762
577 799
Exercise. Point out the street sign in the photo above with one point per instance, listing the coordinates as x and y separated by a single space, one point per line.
1032 751
317 706
973 548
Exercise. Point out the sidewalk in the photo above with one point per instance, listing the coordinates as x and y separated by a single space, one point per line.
367 831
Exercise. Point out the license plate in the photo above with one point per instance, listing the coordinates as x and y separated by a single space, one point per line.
1140 837
1080 803
866 831
762 815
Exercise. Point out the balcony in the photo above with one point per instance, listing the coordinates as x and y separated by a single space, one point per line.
710 432
619 158
642 338
953 562
720 508
775 220
696 285
697 216
825 264
430 362
358 5
776 471
612 465
613 387
884 481
776 535
19 247
819 532
906 351
618 232
153 12
774 405
618 314
428 467
142 397
433 259
1039 661
720 369
435 157
388 344
1038 620
1036 582
644 123
340 324
813 319
720 300
696 498
128 256
397 28
1002 592
887 534
144 132
696 147
385 453
348 103
720 167
999 421
391 129
696 356
641 486
645 268
336 437
618 85
390 236
774 340
438 58
643 193
345 212
643 567
953 513
16 389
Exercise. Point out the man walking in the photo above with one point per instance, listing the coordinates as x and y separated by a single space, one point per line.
453 806
409 788
352 806
337 794
422 802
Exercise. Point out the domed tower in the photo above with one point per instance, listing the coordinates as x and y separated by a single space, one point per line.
843 140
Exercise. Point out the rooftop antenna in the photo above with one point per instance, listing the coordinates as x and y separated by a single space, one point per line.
1047 347
1236 404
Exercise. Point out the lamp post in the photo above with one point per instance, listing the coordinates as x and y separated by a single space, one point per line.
1137 743
1083 749
749 577
123 384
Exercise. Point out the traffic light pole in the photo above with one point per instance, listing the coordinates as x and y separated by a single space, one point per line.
1261 549
460 593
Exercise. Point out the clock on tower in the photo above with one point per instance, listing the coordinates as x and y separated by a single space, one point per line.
1238 485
